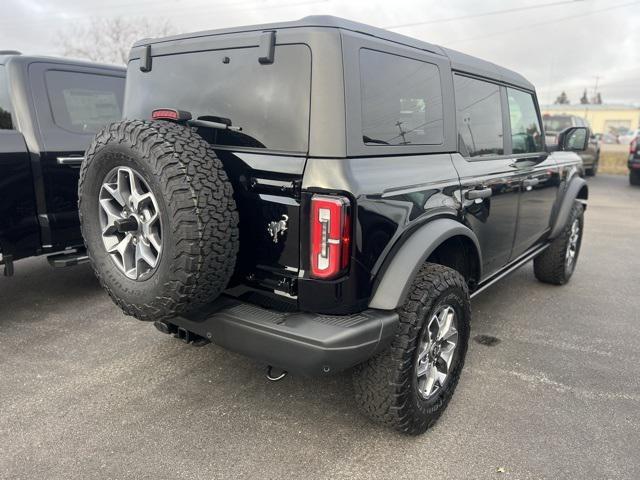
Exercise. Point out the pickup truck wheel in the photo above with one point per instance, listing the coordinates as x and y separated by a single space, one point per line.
158 217
557 263
409 385
634 177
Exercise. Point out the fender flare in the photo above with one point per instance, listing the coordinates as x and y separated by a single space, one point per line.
571 194
401 268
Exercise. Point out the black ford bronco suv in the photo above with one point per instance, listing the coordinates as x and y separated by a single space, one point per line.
321 195
50 109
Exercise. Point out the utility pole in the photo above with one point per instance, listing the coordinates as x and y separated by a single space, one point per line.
595 88
402 132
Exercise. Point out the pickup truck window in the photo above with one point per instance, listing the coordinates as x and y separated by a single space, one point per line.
401 100
5 102
83 102
526 134
557 123
479 117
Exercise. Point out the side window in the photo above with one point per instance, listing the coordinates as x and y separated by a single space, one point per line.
84 102
525 126
5 102
479 117
401 100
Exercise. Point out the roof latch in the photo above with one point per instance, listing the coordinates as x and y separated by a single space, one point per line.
267 47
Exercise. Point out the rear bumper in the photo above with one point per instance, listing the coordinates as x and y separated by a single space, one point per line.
306 343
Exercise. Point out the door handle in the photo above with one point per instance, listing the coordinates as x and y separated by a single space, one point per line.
478 193
70 161
529 161
529 183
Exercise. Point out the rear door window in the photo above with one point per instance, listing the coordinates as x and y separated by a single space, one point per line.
5 101
269 102
83 102
401 100
526 134
479 117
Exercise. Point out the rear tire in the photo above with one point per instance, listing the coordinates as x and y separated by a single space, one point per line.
388 387
634 177
195 239
558 262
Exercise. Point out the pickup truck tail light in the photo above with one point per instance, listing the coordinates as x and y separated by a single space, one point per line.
330 235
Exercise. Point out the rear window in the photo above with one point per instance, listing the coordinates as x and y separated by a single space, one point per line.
84 102
401 100
479 117
270 102
556 123
5 101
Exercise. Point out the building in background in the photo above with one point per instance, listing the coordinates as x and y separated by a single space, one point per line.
604 118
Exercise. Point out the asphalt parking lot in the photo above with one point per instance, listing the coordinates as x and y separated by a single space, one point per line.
86 392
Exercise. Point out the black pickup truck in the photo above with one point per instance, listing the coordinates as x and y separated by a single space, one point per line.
319 225
50 109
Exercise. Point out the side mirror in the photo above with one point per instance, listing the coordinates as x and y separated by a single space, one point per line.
574 139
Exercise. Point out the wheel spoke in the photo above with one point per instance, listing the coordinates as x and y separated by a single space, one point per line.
450 334
431 376
445 320
123 184
440 378
112 214
114 192
446 354
422 369
155 242
144 253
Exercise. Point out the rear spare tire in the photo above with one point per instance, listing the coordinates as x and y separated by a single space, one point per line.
158 218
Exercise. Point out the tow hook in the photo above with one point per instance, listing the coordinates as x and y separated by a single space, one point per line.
181 333
275 374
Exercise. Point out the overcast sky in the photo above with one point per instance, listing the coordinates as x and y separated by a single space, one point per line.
558 45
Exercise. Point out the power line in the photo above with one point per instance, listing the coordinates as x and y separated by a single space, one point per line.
483 14
542 24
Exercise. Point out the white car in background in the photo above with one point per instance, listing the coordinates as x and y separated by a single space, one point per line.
625 138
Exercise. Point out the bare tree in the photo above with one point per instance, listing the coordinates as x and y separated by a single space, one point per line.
562 99
109 39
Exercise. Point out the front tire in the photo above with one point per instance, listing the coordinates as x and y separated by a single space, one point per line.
557 263
409 385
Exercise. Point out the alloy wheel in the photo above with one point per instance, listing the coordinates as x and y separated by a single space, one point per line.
130 223
572 246
435 351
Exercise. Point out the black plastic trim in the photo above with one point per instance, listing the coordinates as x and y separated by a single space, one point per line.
571 194
305 343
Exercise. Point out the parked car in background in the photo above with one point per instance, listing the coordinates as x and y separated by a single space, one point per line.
634 161
50 109
627 137
554 124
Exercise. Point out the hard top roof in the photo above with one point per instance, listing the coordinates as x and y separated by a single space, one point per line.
459 61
